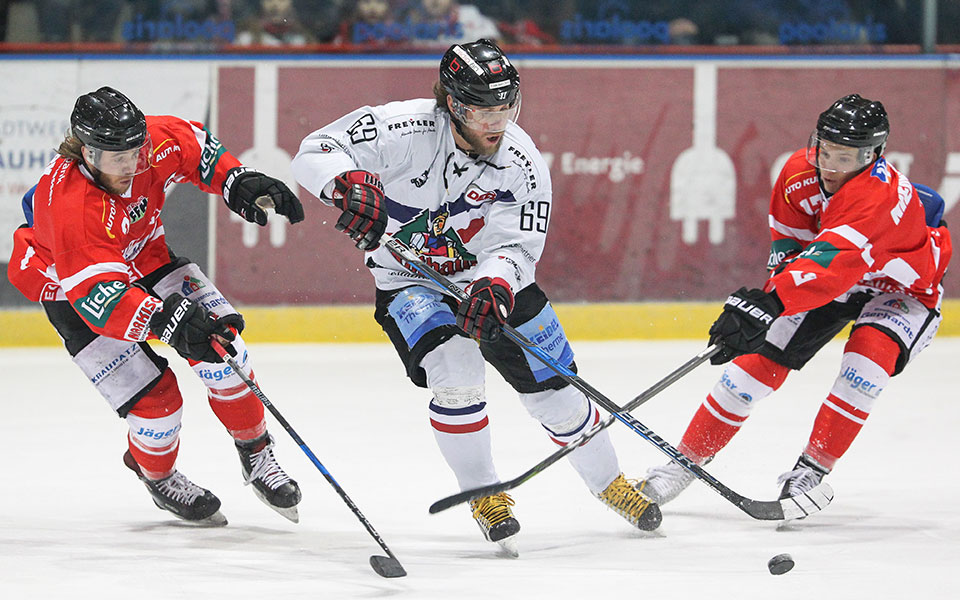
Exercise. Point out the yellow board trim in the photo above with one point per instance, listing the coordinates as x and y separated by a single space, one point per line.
318 324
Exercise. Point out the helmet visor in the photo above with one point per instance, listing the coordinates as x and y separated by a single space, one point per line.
837 158
491 119
124 163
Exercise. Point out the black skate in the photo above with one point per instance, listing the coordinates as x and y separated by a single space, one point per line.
274 487
496 521
806 475
180 496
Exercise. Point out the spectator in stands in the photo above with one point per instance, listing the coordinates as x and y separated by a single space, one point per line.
72 20
275 24
451 22
366 22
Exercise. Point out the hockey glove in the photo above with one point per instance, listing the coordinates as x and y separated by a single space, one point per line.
359 195
486 310
742 327
187 326
248 193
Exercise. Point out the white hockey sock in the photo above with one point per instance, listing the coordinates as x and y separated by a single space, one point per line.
463 437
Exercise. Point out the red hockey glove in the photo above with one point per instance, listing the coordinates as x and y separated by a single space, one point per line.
486 310
359 195
742 326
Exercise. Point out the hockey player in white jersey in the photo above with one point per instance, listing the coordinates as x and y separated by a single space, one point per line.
457 179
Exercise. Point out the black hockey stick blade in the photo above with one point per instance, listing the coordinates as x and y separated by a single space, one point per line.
387 566
473 494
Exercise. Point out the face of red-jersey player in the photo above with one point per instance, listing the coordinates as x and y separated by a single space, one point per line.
114 170
838 164
483 126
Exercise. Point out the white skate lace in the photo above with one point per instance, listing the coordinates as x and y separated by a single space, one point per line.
180 489
265 468
799 480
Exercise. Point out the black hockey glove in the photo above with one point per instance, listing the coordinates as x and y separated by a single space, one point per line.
244 187
187 326
359 195
486 310
742 326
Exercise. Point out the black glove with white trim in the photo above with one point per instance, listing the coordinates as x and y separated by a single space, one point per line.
742 326
248 193
486 310
187 326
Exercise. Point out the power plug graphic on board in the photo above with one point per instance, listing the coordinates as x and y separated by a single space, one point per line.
265 155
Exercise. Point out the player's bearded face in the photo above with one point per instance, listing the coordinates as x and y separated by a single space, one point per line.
482 127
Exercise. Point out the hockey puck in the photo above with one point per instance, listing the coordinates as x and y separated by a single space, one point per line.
780 564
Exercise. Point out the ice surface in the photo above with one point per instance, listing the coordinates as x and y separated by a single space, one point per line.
75 523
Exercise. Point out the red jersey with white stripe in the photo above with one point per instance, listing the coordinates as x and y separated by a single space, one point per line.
870 234
88 246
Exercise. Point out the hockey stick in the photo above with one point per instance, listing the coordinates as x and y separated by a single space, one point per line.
774 510
385 566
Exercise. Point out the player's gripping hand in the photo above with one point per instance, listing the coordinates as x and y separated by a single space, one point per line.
486 310
359 194
248 193
742 326
187 326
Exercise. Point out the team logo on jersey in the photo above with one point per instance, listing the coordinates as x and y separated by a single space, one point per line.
881 170
780 250
191 285
97 306
439 246
137 210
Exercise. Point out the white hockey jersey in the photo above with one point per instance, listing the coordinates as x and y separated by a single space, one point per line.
467 216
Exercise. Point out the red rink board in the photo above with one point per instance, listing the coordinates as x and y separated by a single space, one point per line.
614 131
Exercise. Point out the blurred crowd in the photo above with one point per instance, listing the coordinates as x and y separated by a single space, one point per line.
388 24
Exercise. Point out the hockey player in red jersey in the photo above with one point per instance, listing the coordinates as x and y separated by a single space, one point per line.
93 253
851 241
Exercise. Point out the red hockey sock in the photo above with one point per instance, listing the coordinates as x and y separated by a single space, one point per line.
154 436
833 432
713 426
840 419
239 410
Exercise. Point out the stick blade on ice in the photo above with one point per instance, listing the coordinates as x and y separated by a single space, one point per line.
387 566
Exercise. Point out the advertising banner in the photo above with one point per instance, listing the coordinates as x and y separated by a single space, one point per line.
661 170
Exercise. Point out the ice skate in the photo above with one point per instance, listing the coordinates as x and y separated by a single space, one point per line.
631 504
274 487
665 483
180 496
806 475
496 521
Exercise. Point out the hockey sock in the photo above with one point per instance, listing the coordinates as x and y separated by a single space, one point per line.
567 414
744 382
239 410
154 422
463 436
869 359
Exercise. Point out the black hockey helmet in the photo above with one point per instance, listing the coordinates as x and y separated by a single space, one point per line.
108 120
479 74
851 121
855 121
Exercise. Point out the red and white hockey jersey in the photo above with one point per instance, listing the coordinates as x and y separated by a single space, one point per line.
870 235
88 246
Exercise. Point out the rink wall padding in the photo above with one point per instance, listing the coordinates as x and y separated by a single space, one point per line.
355 324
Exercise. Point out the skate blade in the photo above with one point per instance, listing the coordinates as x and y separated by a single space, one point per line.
509 546
291 514
215 520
